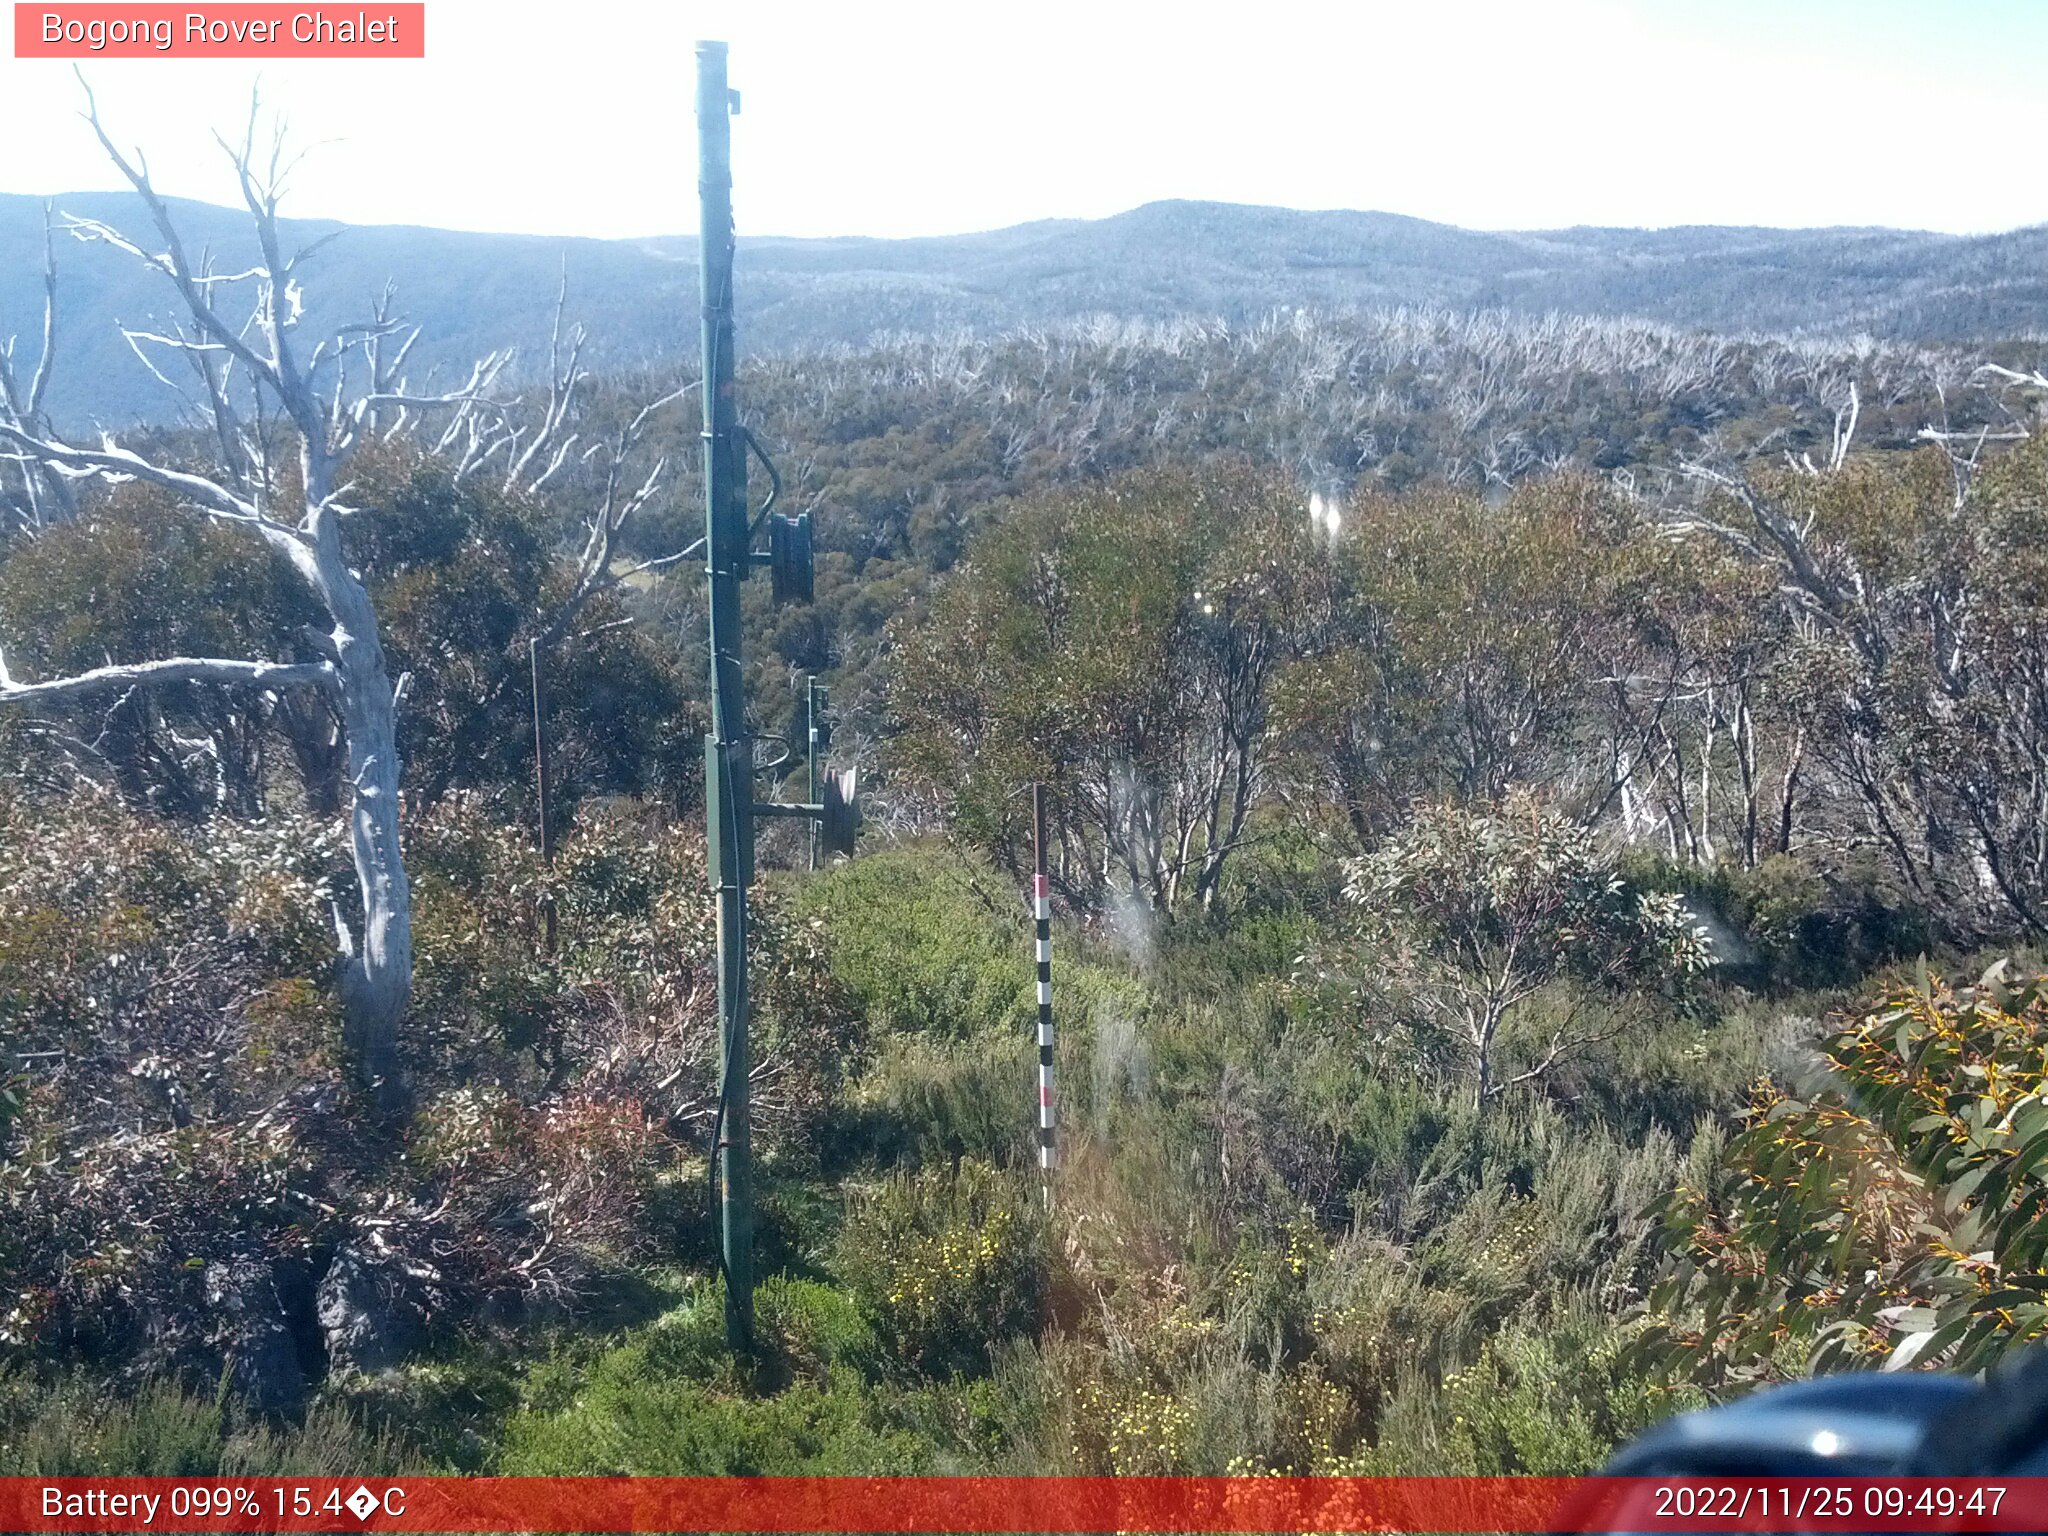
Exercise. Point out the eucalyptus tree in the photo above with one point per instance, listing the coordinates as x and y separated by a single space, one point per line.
1461 647
1120 642
1918 606
1468 916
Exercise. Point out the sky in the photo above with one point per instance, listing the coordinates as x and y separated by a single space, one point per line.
892 119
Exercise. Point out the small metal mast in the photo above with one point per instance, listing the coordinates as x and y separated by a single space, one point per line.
729 805
728 758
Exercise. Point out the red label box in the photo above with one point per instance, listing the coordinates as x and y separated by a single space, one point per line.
379 30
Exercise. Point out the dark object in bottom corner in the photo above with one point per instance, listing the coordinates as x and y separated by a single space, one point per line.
1856 1425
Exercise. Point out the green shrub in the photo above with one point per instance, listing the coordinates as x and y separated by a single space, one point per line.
1675 1070
926 943
1549 1398
947 1265
1376 1318
647 1427
1790 924
1280 894
177 1066
673 1401
445 1410
72 1426
924 1100
809 1328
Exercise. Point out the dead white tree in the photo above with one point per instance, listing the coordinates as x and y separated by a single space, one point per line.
600 566
283 424
1964 447
34 495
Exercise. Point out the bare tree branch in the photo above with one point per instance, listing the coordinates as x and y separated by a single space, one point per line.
117 463
176 669
597 568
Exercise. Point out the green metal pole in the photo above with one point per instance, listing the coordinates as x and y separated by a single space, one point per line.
728 782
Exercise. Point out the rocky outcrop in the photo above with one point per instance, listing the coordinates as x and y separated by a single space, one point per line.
252 1335
366 1312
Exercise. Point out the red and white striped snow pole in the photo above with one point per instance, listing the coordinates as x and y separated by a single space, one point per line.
1041 911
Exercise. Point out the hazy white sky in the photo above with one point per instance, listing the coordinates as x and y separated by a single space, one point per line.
887 118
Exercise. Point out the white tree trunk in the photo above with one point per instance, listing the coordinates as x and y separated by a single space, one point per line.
376 978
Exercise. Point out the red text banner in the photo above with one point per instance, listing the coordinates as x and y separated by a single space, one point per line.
235 31
1046 1504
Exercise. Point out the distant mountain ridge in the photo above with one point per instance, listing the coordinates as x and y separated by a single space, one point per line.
474 292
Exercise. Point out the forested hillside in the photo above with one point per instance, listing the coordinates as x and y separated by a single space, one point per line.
907 451
1546 832
1165 261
